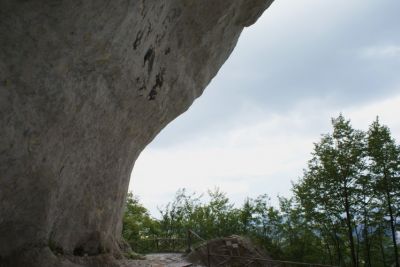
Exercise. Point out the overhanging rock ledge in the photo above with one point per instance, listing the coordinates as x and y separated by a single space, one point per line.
84 87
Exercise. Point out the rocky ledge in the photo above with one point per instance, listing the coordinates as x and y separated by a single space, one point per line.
85 85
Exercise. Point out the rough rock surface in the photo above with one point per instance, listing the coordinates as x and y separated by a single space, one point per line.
84 86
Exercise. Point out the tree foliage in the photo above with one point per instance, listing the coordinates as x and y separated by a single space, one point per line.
344 211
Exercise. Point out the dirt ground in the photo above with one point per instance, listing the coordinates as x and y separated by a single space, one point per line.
228 251
160 260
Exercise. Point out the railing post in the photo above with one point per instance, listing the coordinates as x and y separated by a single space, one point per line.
189 241
208 255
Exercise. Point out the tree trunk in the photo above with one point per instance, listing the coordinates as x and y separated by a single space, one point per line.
366 240
393 228
350 228
329 253
367 253
381 246
337 245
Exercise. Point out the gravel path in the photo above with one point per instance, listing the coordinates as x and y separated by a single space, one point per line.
160 260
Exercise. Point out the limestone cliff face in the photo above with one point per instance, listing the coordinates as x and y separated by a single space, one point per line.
84 86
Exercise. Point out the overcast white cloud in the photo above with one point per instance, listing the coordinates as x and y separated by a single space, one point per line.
253 129
382 52
251 158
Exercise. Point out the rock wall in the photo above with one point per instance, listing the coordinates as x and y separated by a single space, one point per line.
85 85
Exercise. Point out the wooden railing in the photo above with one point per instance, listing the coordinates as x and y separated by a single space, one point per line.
185 245
160 244
250 261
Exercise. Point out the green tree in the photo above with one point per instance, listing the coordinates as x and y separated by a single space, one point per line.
220 214
321 213
215 218
366 209
137 223
330 182
300 240
247 221
384 158
180 215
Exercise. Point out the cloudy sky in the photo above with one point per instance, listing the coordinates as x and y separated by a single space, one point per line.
252 131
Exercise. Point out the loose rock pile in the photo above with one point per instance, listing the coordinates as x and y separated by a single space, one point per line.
228 251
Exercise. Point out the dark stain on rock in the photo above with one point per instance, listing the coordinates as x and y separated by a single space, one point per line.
141 85
172 15
159 38
57 249
149 29
149 57
138 39
152 95
143 11
79 251
167 51
158 84
61 169
27 132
